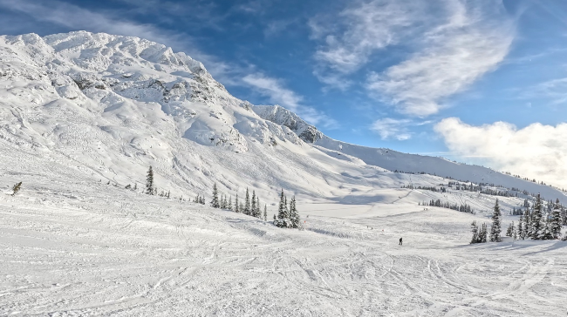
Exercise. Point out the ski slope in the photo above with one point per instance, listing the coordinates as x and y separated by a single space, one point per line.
82 115
83 249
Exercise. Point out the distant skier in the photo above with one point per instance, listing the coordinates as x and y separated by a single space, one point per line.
400 241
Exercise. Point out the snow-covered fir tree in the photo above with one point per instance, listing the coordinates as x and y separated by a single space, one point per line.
215 198
527 230
265 214
509 232
483 233
283 218
258 213
237 209
253 204
556 221
521 231
536 221
496 225
294 215
230 203
246 210
474 233
150 182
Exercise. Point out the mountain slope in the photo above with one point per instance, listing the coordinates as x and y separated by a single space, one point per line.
110 106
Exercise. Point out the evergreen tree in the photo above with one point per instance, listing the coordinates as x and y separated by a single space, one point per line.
509 232
527 230
258 213
282 219
150 182
16 188
253 205
294 215
215 199
521 228
556 221
474 232
237 209
230 203
483 233
536 223
247 204
496 226
265 212
546 233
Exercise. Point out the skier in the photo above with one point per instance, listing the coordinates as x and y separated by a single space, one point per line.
400 241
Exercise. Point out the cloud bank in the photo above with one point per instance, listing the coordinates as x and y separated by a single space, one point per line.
536 151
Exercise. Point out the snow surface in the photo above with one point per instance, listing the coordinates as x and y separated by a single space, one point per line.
73 248
80 110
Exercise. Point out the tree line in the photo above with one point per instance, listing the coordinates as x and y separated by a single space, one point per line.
535 224
287 217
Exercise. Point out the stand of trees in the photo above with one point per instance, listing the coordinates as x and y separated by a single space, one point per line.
534 223
439 203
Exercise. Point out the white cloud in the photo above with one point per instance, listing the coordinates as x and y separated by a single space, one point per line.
367 26
278 94
536 151
471 43
399 129
451 43
274 90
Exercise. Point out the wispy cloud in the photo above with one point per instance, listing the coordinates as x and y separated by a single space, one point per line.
536 151
359 30
398 129
553 90
277 93
457 53
453 43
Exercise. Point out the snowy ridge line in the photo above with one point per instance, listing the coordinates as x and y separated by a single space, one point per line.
111 106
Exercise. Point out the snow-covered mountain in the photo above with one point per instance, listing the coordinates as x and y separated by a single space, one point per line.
110 106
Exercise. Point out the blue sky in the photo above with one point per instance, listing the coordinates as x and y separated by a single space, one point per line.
476 81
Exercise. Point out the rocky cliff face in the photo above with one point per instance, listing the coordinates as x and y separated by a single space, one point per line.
308 133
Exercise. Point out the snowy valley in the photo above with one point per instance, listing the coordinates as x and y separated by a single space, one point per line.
84 115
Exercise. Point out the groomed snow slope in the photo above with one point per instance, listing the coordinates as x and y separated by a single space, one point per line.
73 248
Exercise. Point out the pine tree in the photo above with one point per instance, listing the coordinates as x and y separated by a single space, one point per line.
282 218
496 226
237 203
265 212
474 232
253 205
16 188
527 230
230 203
546 232
556 222
483 233
215 199
150 182
536 223
247 204
258 213
294 215
509 232
521 228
